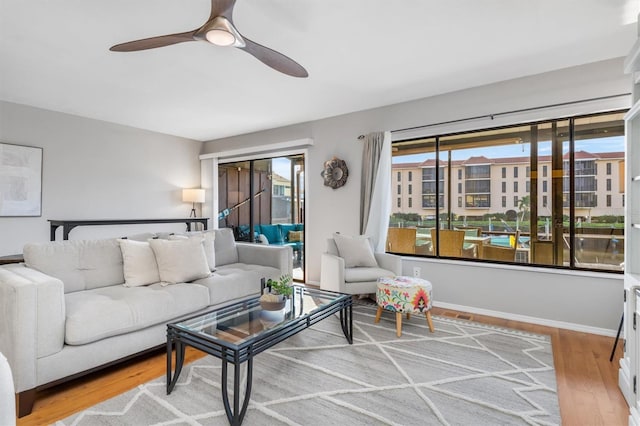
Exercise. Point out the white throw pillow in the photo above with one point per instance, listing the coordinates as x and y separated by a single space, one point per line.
209 248
139 263
180 260
356 251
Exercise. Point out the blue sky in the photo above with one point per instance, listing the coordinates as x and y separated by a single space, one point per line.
281 166
613 144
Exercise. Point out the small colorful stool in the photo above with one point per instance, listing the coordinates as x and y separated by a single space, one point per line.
404 295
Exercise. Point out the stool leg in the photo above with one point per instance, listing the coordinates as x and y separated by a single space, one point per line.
398 324
428 315
408 315
378 314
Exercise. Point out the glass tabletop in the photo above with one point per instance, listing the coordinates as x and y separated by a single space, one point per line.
246 320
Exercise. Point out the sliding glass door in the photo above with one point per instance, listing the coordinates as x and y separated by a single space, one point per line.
263 202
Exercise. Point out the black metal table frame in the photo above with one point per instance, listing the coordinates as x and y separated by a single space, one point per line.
247 350
68 225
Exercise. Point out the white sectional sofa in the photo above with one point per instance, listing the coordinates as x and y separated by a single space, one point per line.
68 310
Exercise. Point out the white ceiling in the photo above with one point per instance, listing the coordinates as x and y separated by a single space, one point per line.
359 54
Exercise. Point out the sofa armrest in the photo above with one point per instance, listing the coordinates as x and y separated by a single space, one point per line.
390 262
280 257
32 317
332 273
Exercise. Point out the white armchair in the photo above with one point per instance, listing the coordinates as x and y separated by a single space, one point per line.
349 266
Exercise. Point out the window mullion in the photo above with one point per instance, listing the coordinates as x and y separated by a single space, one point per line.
435 244
557 188
572 193
533 189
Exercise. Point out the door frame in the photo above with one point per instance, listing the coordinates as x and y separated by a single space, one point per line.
209 179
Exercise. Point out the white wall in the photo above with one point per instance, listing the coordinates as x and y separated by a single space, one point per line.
98 170
586 301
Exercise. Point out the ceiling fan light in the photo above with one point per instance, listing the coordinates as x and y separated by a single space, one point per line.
220 37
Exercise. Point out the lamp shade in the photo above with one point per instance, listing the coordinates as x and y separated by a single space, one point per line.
193 195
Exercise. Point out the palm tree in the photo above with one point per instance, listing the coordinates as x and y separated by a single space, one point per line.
523 206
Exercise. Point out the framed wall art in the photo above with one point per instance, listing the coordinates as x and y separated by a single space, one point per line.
20 180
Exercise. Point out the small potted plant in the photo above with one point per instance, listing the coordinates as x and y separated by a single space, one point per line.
276 293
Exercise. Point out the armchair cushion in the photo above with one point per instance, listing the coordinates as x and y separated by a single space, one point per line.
353 275
356 251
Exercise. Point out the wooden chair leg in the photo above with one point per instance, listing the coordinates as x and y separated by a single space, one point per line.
408 315
378 314
429 321
398 324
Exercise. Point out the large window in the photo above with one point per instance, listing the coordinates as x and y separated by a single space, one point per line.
559 216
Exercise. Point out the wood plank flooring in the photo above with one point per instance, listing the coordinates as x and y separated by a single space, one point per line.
587 382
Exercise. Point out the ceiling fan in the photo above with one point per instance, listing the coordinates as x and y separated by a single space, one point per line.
219 30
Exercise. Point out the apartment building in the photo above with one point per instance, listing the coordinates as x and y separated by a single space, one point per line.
479 185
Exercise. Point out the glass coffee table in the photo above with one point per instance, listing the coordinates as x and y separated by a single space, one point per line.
238 332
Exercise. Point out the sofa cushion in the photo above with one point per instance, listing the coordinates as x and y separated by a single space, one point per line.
144 237
236 280
295 236
110 311
79 264
285 229
356 251
180 260
225 244
273 233
140 267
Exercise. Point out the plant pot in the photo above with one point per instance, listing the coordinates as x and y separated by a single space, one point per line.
273 306
269 319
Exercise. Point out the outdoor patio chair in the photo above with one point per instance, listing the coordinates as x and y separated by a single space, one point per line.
451 242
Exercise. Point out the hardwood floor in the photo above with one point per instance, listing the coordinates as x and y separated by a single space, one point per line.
587 382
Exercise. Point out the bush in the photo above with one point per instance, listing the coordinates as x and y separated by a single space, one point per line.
409 217
608 219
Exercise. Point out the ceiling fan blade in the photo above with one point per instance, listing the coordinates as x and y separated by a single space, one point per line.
153 42
275 60
222 8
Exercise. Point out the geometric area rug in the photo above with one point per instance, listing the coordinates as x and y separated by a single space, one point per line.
465 373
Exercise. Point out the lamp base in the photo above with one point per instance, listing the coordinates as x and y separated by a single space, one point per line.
193 212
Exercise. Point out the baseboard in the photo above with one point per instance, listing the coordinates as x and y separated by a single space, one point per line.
524 318
624 382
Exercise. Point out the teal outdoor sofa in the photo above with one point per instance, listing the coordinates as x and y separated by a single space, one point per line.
278 234
282 234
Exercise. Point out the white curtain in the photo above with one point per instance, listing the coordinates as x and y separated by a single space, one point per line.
375 199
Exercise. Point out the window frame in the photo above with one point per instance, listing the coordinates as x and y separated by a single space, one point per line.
579 171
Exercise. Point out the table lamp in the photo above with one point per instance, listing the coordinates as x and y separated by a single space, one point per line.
193 196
